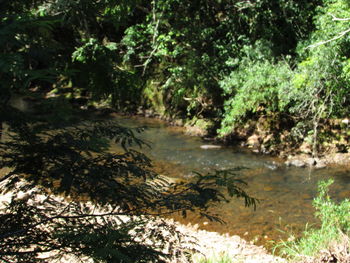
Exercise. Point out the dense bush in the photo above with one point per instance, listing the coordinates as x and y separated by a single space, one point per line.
191 50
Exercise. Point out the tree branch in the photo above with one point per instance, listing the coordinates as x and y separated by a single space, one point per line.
154 38
334 18
340 35
20 231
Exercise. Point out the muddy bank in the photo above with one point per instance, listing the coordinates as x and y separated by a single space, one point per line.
278 135
330 159
295 142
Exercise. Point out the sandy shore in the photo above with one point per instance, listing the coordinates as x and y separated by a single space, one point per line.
212 245
208 244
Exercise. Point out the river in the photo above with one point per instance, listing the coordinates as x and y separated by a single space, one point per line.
285 193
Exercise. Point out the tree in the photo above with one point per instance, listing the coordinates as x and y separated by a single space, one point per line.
319 88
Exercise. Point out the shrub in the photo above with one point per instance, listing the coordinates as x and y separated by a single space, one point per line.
254 85
335 222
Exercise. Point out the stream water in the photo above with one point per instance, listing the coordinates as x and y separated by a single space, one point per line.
285 193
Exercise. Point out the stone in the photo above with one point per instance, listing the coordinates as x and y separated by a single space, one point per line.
253 141
296 163
210 146
305 148
320 164
310 161
140 111
267 138
268 188
340 158
178 122
272 165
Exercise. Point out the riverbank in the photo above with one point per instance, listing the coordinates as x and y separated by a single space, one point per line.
267 135
195 245
270 134
207 236
275 136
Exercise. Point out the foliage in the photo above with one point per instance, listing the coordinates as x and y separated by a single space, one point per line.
224 60
195 52
256 85
102 77
308 87
21 65
190 68
33 227
62 45
320 76
75 48
334 217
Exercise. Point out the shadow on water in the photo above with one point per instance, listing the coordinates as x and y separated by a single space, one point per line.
286 194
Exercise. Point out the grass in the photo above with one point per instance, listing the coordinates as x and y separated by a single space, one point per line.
214 258
335 223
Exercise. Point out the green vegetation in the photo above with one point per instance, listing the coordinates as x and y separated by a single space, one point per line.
227 61
335 225
70 196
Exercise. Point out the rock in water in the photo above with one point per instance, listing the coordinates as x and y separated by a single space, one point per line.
210 146
296 163
272 165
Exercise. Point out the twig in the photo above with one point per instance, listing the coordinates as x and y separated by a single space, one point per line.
334 18
5 260
20 231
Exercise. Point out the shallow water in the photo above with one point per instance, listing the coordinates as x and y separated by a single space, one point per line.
286 194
